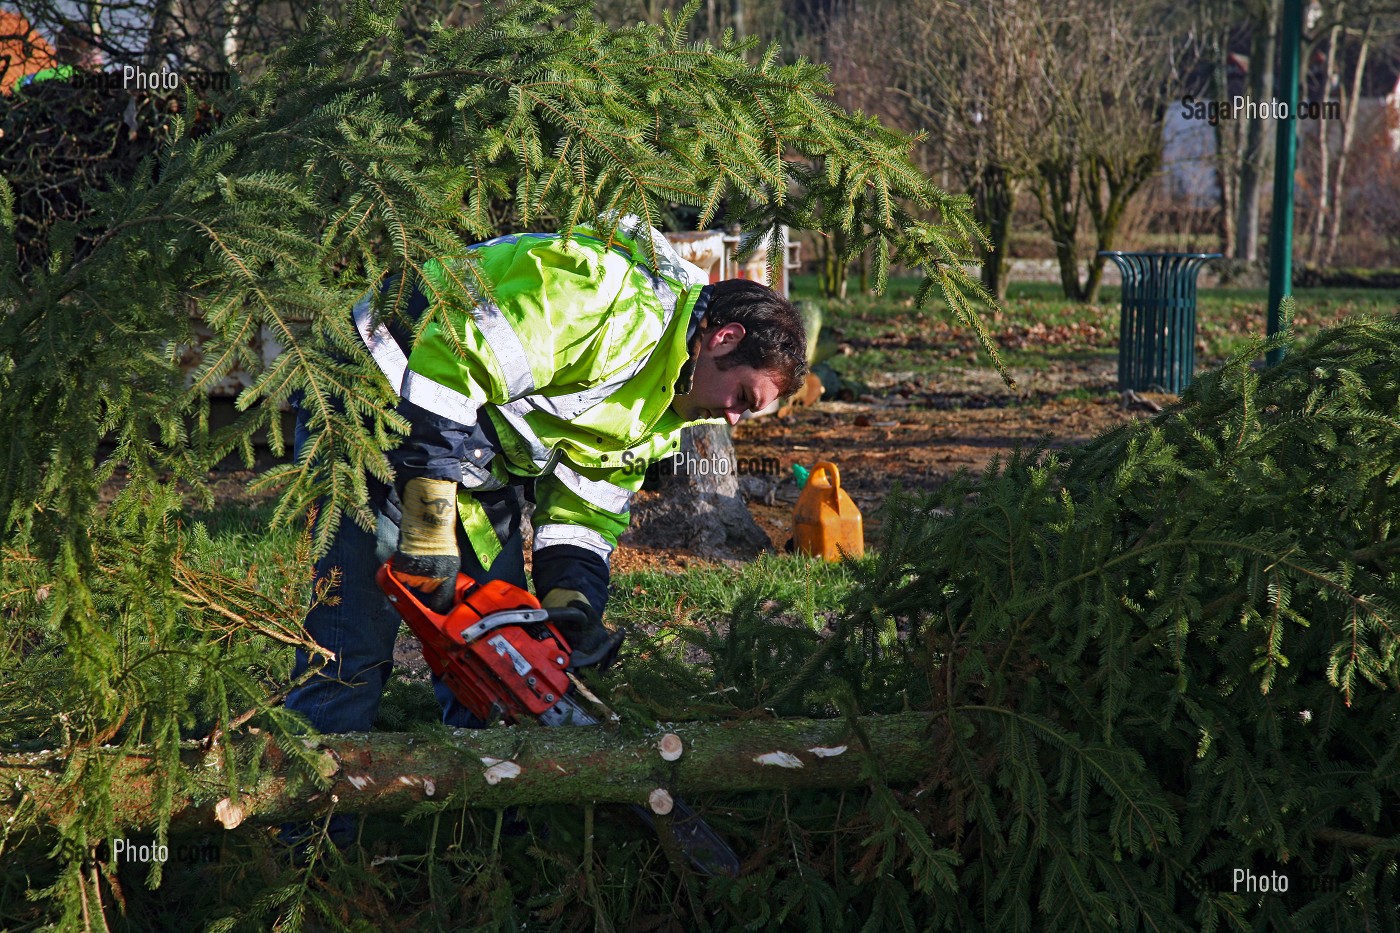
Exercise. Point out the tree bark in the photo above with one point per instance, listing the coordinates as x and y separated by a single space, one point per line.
1109 182
1322 205
994 197
1226 159
155 41
1258 148
491 768
1350 107
1059 200
832 264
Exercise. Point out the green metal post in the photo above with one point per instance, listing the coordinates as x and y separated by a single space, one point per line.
1286 150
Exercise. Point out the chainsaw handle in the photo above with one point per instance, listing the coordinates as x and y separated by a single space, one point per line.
567 614
518 606
404 599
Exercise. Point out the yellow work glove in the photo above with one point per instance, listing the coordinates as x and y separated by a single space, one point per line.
427 560
593 643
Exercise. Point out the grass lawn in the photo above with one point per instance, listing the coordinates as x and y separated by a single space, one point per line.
1038 329
1039 332
235 540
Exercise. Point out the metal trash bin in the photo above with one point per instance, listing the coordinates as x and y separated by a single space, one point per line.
1157 330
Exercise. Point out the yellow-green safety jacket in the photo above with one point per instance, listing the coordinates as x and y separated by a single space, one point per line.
565 375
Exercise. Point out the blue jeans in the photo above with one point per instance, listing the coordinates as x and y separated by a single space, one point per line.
361 628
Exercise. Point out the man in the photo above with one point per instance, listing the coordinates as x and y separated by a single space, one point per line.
583 363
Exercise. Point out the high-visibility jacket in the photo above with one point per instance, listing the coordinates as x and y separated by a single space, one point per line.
566 374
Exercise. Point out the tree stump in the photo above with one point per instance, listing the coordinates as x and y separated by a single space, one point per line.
698 504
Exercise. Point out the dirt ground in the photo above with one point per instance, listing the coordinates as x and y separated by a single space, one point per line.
907 432
915 435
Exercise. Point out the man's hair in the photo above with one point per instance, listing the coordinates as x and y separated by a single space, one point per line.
774 339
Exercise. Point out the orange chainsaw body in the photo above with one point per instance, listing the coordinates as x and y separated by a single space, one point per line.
500 655
496 650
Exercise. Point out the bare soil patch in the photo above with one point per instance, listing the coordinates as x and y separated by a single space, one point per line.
915 435
910 433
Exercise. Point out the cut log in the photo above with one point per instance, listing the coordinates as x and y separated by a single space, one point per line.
491 768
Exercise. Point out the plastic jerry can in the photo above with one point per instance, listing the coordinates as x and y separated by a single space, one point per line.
825 522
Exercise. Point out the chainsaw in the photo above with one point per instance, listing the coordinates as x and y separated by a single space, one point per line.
503 658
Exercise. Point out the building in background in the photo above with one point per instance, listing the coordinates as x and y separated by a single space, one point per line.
23 52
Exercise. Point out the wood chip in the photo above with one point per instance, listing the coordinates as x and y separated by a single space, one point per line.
502 771
228 813
828 752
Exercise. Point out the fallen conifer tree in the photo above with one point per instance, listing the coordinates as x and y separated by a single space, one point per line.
388 773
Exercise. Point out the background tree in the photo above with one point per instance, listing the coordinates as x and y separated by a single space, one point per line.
1067 100
1111 72
1255 170
785 21
1339 47
184 35
1220 31
972 73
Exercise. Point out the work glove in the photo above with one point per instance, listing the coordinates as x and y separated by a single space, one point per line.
427 560
593 644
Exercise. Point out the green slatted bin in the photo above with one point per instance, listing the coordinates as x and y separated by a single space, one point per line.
1157 331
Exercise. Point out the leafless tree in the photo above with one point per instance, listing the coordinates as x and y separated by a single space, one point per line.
971 74
1066 101
1347 32
1111 71
1255 167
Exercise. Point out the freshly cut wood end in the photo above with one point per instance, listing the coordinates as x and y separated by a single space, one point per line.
228 813
326 764
671 746
660 801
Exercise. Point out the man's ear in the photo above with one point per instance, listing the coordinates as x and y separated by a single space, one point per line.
724 339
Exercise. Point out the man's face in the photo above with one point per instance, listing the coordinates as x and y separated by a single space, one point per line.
725 393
